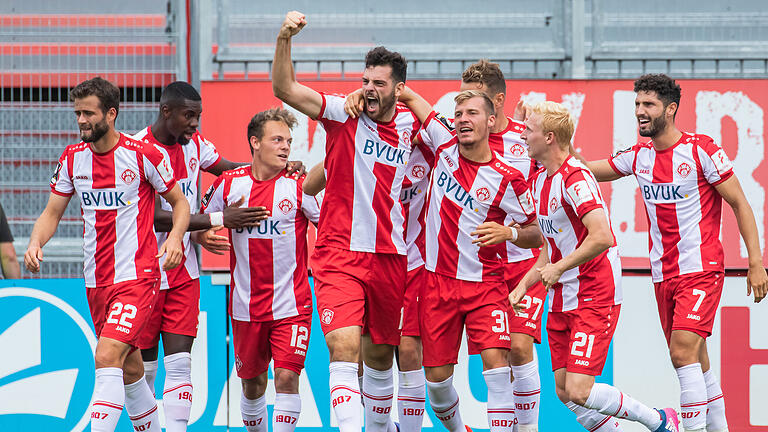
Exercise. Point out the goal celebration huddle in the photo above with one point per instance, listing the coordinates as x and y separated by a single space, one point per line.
430 226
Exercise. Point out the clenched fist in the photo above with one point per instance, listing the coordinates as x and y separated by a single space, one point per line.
294 22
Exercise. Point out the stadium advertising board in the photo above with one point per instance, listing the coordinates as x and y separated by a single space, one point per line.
46 371
730 111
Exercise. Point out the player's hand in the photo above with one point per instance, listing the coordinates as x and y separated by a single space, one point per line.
173 251
293 23
757 282
295 169
237 217
354 104
32 258
521 111
550 274
210 241
515 297
491 233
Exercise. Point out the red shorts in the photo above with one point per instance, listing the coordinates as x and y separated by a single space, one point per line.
175 311
689 302
527 321
415 280
447 304
256 343
579 339
360 289
121 311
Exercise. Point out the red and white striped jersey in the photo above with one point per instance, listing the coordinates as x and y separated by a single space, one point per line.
413 196
117 201
514 151
365 168
683 206
562 200
186 160
464 194
268 263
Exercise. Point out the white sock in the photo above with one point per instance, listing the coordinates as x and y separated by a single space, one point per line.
411 399
527 388
141 407
177 394
108 399
254 413
608 400
345 395
445 403
379 388
592 420
501 401
286 412
715 404
693 397
150 372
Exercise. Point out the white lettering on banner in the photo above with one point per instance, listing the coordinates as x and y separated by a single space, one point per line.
311 152
632 243
310 417
574 102
711 107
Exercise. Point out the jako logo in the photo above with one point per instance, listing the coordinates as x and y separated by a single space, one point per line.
49 390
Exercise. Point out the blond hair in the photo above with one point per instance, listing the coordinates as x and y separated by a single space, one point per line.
469 94
555 118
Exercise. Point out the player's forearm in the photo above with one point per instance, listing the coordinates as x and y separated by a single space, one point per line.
592 246
180 217
745 218
44 229
528 236
315 180
283 75
164 221
532 275
415 103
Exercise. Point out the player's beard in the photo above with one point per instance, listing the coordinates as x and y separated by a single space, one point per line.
97 132
385 105
658 125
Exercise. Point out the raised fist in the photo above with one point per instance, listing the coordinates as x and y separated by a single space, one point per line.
294 22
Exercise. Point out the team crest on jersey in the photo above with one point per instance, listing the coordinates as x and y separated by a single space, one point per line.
406 137
517 149
192 164
327 316
56 173
285 206
128 176
418 171
684 169
483 194
553 205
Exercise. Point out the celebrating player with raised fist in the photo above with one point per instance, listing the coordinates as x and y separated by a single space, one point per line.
359 263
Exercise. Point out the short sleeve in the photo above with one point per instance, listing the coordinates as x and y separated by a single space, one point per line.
581 192
209 156
518 201
623 160
61 181
310 205
715 164
436 131
332 111
213 200
157 170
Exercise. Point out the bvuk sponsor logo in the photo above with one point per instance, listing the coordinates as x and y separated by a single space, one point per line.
454 189
48 382
384 152
663 192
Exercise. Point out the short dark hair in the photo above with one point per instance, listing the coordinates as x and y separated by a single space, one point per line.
486 73
177 92
667 90
256 125
108 93
381 56
470 94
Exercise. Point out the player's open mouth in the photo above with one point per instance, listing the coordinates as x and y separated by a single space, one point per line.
371 104
643 121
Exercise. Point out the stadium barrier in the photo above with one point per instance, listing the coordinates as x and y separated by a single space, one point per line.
46 372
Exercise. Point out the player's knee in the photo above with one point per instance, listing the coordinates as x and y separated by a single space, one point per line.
578 394
132 371
107 356
286 381
682 356
343 345
562 394
254 388
409 358
521 351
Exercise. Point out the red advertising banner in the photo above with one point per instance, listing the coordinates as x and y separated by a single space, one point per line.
730 111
